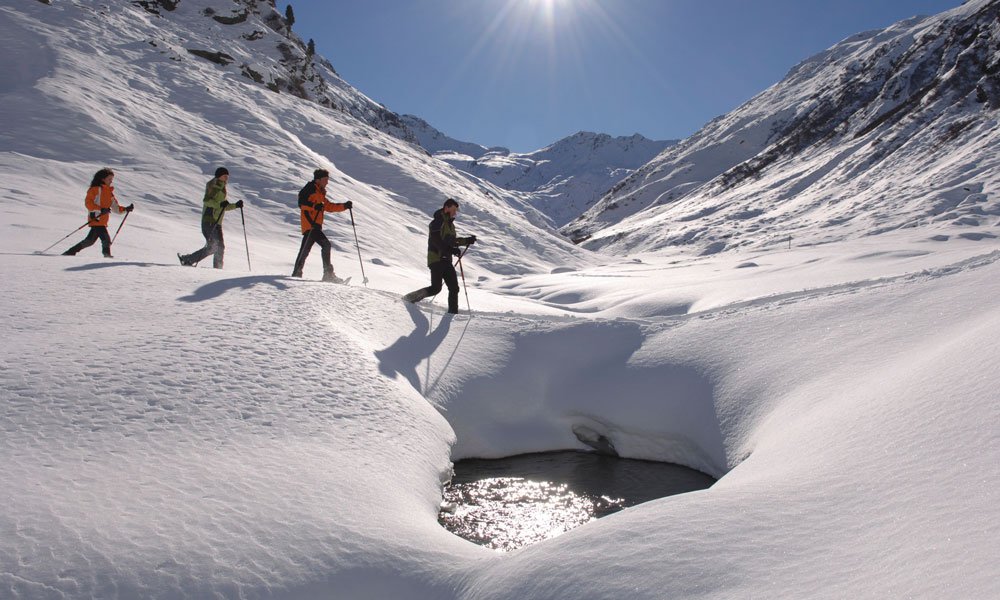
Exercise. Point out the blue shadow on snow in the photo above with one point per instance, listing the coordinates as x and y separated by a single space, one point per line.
405 354
220 287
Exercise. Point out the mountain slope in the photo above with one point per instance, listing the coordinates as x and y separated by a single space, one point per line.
887 129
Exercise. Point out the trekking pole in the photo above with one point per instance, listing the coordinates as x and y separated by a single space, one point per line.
462 271
358 246
245 243
67 235
120 225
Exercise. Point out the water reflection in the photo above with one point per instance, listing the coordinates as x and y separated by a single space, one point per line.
509 503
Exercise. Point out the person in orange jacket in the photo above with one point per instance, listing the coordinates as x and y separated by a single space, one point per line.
100 201
312 205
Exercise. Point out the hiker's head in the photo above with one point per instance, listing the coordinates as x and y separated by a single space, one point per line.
450 207
321 177
103 177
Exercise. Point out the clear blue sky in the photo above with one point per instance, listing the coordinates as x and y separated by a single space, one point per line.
525 73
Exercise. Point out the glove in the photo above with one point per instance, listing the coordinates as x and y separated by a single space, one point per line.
130 207
318 206
470 240
105 211
239 204
224 204
348 205
456 252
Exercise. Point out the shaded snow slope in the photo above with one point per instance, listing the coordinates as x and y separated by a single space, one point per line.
886 130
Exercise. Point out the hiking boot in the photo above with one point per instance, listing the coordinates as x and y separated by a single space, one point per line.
415 296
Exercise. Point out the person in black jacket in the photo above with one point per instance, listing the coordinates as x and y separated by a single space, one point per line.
442 245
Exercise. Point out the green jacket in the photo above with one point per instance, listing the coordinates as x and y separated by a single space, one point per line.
441 239
215 195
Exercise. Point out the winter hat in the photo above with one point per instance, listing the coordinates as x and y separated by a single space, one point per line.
221 171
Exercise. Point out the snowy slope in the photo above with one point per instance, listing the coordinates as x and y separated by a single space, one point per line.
176 432
887 129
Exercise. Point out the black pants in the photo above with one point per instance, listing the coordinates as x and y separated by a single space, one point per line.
313 236
96 232
214 244
444 271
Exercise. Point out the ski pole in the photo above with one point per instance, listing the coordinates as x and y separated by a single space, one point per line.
245 243
67 235
120 225
462 271
358 246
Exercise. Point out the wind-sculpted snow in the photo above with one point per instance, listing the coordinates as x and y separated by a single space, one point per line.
186 432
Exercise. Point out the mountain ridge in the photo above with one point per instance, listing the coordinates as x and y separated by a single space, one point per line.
837 130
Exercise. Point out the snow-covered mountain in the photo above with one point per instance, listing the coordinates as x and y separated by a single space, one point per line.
564 178
176 432
561 180
887 129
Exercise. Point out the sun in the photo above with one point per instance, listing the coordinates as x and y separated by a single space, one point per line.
548 10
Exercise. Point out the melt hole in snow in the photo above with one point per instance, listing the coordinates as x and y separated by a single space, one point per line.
509 503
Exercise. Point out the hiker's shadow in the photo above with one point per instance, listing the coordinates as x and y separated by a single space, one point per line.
406 353
220 287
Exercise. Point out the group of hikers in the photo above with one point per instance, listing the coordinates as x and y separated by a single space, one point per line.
442 240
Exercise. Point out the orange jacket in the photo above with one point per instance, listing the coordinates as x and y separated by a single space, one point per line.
99 198
310 195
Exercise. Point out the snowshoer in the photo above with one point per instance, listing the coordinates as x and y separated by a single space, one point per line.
442 244
100 201
216 206
312 205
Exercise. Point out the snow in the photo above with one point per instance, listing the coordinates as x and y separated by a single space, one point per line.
185 432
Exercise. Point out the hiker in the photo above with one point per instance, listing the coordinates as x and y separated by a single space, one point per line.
442 244
216 207
99 202
312 205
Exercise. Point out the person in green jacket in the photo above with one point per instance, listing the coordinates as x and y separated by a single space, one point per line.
216 207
